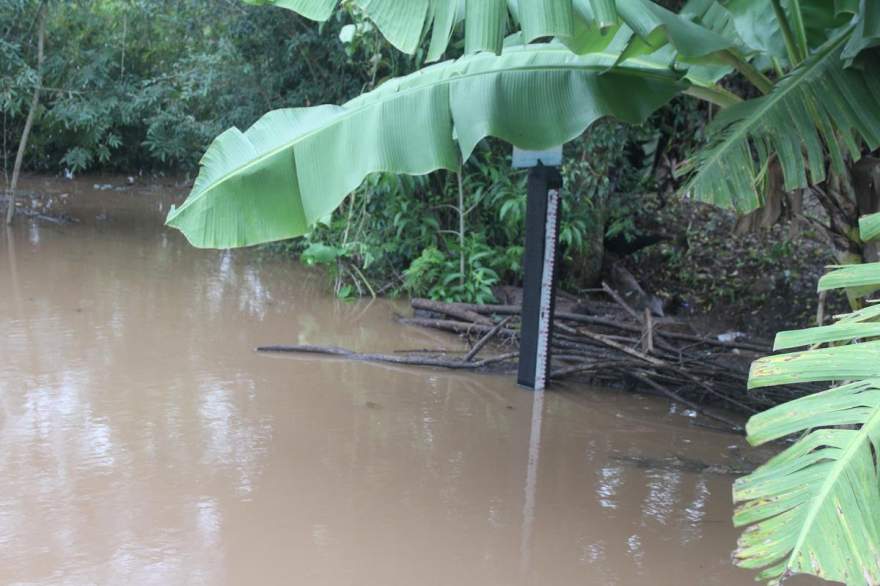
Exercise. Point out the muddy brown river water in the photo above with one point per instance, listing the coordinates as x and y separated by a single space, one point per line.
142 441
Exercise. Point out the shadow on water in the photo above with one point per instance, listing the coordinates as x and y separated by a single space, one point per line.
142 440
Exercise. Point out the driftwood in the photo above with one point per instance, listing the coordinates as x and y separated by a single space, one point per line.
456 327
616 323
622 344
460 313
487 338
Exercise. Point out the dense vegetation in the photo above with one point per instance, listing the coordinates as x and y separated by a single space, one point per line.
143 85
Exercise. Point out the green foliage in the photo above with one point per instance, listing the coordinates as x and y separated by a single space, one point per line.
395 223
818 100
146 84
437 275
534 97
17 78
410 223
803 118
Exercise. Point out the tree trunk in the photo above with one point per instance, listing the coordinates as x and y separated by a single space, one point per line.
29 122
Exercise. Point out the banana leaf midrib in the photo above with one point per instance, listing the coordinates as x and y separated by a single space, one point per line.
771 100
651 71
831 479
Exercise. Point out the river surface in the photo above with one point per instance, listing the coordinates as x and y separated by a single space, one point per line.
143 441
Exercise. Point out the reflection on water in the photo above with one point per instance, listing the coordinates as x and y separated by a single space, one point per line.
143 441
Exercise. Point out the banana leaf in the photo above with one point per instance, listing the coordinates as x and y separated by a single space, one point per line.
851 276
820 111
487 21
869 226
815 507
295 166
839 332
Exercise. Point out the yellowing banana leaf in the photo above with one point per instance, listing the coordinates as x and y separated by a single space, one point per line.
295 166
815 508
843 363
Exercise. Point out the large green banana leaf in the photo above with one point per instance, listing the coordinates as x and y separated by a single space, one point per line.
295 166
815 508
756 32
655 26
404 22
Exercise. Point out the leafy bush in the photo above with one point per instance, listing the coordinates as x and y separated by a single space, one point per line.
403 232
147 84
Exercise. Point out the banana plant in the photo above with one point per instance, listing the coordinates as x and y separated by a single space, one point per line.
293 167
815 507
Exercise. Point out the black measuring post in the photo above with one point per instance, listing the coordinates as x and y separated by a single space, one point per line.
540 269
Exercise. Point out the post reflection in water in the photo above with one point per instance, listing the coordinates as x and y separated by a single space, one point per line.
143 441
531 477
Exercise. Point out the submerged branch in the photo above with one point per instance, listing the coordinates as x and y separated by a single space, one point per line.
389 358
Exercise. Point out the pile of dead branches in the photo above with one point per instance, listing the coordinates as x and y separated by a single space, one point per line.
605 343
